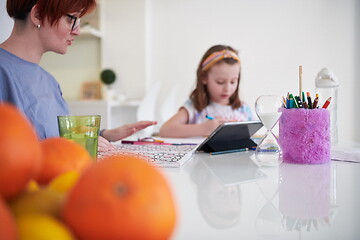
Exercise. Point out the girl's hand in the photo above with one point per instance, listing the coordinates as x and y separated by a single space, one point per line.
104 145
210 125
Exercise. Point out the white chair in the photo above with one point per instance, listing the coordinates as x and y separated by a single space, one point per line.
169 105
147 109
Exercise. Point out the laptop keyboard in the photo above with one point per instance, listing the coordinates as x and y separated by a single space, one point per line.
161 155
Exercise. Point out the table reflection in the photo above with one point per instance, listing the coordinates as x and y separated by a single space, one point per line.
307 196
217 182
268 222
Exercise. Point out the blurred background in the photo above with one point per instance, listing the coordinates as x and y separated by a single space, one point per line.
154 47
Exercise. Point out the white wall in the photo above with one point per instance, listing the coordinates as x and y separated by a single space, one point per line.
80 64
6 22
356 78
123 44
273 37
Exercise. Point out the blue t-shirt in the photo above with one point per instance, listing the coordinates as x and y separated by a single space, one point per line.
34 91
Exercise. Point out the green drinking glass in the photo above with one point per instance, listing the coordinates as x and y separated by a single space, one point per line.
83 130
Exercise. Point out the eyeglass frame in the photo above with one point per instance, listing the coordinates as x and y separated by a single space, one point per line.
73 27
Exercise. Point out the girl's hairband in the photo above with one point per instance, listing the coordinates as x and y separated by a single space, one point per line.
216 57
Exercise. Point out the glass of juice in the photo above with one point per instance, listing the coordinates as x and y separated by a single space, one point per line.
81 129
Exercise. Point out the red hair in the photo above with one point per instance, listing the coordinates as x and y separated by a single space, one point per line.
52 10
200 96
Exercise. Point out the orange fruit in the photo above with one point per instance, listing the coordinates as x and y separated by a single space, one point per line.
20 153
121 197
61 155
8 229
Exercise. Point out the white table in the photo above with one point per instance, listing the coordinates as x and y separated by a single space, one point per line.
229 197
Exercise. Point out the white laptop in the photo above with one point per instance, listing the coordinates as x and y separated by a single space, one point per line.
162 155
228 136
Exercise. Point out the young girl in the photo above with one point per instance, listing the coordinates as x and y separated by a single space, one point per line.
215 99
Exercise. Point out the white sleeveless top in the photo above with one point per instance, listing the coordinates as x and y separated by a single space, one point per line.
244 113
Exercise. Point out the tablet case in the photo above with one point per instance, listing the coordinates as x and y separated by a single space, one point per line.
231 136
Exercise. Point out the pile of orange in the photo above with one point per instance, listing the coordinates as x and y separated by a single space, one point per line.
52 189
129 193
20 153
8 229
62 155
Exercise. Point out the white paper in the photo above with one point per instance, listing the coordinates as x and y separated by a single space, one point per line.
346 154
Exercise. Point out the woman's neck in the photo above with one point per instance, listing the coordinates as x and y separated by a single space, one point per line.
22 43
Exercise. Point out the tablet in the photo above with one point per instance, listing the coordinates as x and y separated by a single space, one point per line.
231 136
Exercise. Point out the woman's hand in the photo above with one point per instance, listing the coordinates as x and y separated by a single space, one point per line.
104 145
126 130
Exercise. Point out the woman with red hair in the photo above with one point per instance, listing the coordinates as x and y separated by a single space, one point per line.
41 26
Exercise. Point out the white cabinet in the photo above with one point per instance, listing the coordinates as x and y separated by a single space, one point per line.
113 114
91 23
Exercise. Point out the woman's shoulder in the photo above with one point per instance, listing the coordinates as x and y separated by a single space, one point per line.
6 60
20 75
13 65
9 59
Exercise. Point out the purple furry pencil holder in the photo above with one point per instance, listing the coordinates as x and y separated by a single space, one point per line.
304 135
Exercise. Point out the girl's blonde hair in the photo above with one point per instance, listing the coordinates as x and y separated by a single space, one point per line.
200 95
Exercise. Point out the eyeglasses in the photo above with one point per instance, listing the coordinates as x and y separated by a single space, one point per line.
75 20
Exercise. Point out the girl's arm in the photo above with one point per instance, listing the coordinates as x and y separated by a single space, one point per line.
177 126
